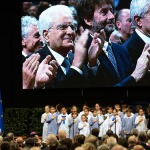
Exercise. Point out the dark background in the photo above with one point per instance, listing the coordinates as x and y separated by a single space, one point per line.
11 76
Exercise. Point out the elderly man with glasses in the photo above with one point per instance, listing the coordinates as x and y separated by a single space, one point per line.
58 34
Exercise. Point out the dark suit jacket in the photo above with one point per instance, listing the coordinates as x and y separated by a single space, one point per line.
23 58
106 75
135 47
73 79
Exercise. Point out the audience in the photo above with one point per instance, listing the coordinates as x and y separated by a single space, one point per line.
136 140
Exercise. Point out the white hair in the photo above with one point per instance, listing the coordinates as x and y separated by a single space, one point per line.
139 8
46 18
148 133
111 141
51 137
26 21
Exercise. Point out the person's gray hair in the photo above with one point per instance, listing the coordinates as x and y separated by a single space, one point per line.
139 8
46 18
103 147
111 141
26 21
148 134
51 137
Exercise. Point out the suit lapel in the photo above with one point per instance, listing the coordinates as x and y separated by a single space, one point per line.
60 74
139 43
105 61
118 61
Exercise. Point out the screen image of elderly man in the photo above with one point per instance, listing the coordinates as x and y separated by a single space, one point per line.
115 64
58 34
140 15
31 40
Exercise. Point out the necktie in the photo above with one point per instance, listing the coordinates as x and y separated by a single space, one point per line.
66 64
112 59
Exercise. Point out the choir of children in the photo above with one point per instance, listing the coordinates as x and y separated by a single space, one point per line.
102 119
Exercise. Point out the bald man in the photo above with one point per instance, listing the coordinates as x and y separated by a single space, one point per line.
79 148
132 141
118 147
20 141
61 135
138 147
124 24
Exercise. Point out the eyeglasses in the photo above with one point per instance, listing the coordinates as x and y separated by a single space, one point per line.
65 26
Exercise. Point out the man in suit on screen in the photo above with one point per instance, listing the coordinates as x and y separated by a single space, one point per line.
115 65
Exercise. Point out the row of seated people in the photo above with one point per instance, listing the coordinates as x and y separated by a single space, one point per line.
109 141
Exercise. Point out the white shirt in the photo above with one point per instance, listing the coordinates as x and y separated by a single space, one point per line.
24 54
59 58
105 48
145 38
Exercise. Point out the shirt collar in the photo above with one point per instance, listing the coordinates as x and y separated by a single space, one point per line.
145 38
59 58
105 46
24 54
129 117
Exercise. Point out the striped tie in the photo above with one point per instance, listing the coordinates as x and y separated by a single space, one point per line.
66 64
112 59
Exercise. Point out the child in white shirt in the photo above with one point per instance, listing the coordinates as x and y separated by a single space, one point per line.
141 121
63 121
83 126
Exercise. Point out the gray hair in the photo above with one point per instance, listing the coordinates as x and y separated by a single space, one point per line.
51 137
103 147
46 18
139 8
111 141
148 133
26 21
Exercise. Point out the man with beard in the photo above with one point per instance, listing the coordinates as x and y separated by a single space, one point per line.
115 65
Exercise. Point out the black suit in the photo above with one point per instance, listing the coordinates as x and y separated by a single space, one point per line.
106 76
23 58
72 79
135 47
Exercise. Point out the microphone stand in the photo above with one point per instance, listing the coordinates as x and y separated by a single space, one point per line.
73 127
115 125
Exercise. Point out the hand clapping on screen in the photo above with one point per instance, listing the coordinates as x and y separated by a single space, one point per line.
46 72
29 70
143 64
80 50
96 47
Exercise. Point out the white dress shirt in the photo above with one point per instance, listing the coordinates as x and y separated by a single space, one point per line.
24 54
59 58
145 38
